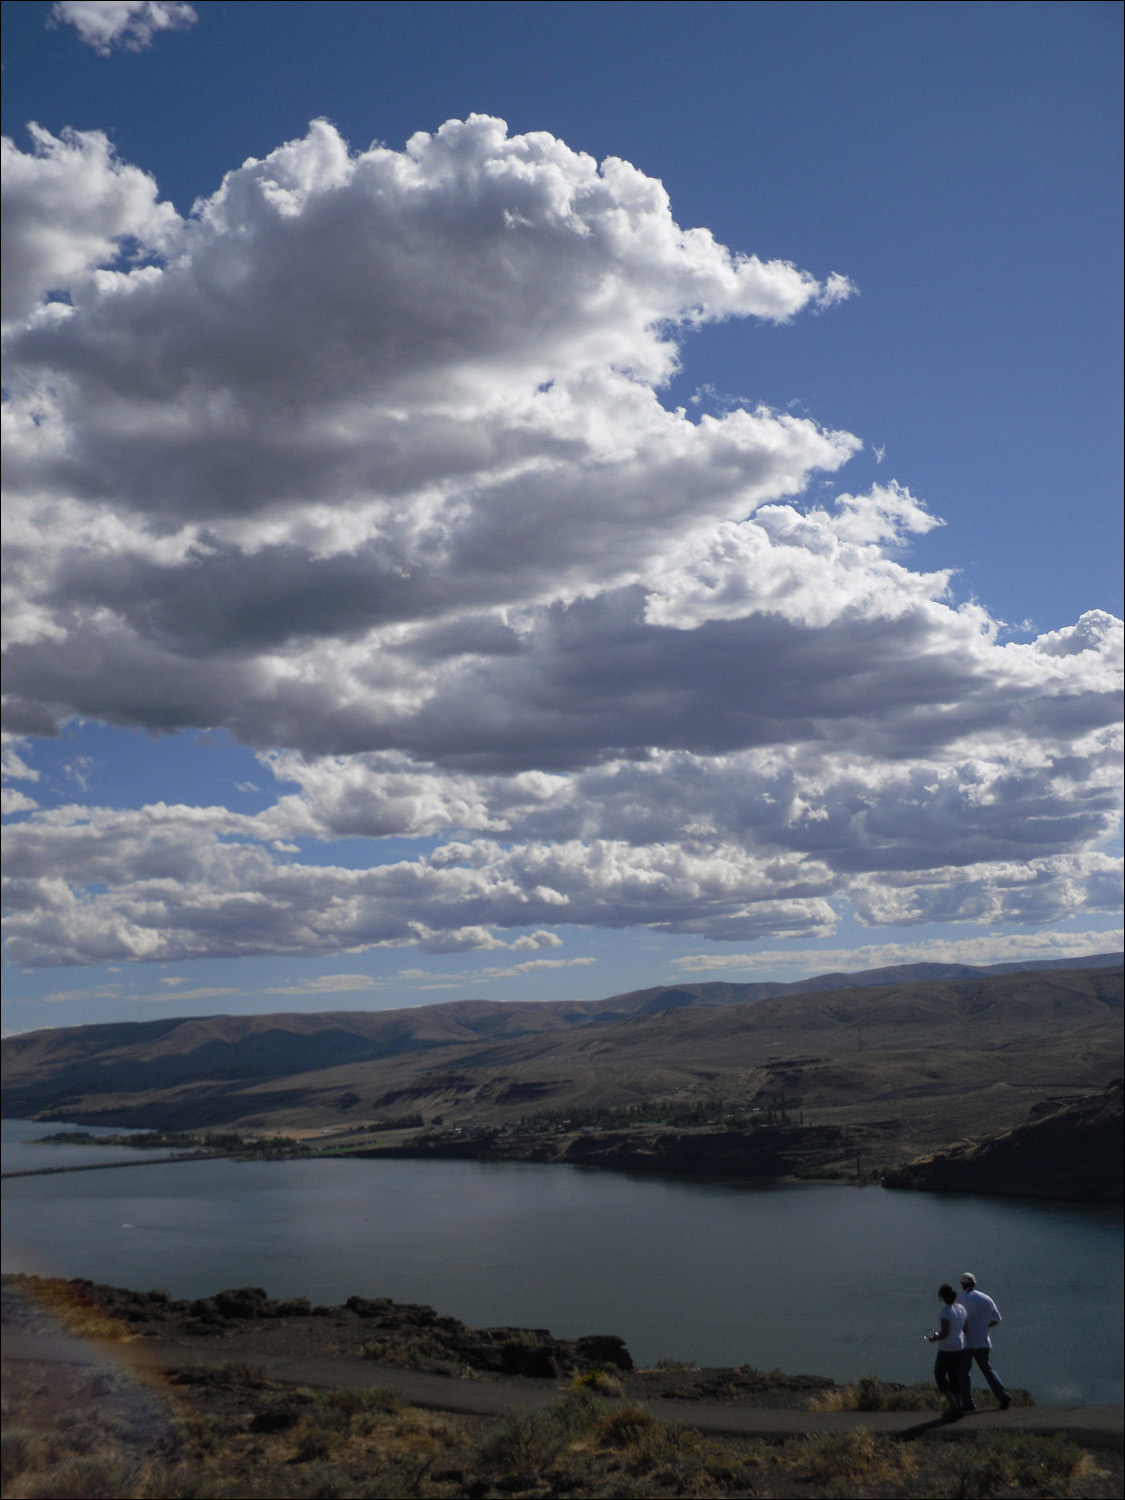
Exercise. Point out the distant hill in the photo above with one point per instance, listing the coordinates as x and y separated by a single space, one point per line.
661 997
945 1057
42 1068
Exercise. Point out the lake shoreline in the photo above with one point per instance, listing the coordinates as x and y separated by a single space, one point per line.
1070 1155
694 1269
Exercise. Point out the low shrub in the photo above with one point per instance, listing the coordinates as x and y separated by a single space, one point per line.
599 1381
577 1412
622 1429
419 1352
19 1450
275 1419
313 1445
529 1442
157 1481
1000 1461
327 1482
853 1457
91 1477
521 1443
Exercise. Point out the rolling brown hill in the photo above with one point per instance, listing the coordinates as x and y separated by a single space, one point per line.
143 1056
945 1059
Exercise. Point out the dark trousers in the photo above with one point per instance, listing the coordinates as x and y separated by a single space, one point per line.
951 1371
995 1384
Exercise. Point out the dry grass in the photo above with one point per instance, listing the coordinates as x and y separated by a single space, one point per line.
77 1313
419 1352
857 1457
77 1433
871 1394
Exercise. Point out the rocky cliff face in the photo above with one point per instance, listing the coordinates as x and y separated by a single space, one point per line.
1070 1152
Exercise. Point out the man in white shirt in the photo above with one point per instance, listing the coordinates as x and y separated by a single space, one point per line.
981 1314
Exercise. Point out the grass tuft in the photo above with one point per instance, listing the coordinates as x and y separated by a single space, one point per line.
871 1394
20 1450
599 1381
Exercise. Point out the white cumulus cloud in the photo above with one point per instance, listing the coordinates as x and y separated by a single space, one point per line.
366 462
69 206
128 24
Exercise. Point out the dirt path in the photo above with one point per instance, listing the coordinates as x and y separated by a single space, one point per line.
1092 1426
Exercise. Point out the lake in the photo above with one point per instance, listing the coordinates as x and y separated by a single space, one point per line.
811 1278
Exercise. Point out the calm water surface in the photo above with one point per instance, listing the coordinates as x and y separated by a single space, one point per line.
833 1280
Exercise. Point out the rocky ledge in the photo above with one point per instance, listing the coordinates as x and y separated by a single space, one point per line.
1069 1151
373 1328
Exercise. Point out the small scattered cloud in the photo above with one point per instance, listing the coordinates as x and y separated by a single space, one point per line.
429 980
540 939
120 993
79 770
424 979
988 948
13 801
204 992
97 992
836 288
12 764
328 984
532 966
122 24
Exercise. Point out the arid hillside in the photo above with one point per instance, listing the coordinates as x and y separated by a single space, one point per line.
943 1059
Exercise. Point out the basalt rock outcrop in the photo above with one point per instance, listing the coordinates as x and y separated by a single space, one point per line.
1070 1150
377 1328
505 1351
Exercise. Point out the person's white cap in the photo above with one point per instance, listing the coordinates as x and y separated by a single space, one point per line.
968 1279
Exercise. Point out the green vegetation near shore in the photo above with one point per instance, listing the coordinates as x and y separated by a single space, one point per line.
151 1140
234 1142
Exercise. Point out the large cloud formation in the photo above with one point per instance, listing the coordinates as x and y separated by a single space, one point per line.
365 462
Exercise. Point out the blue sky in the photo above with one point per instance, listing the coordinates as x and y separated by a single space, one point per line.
432 574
